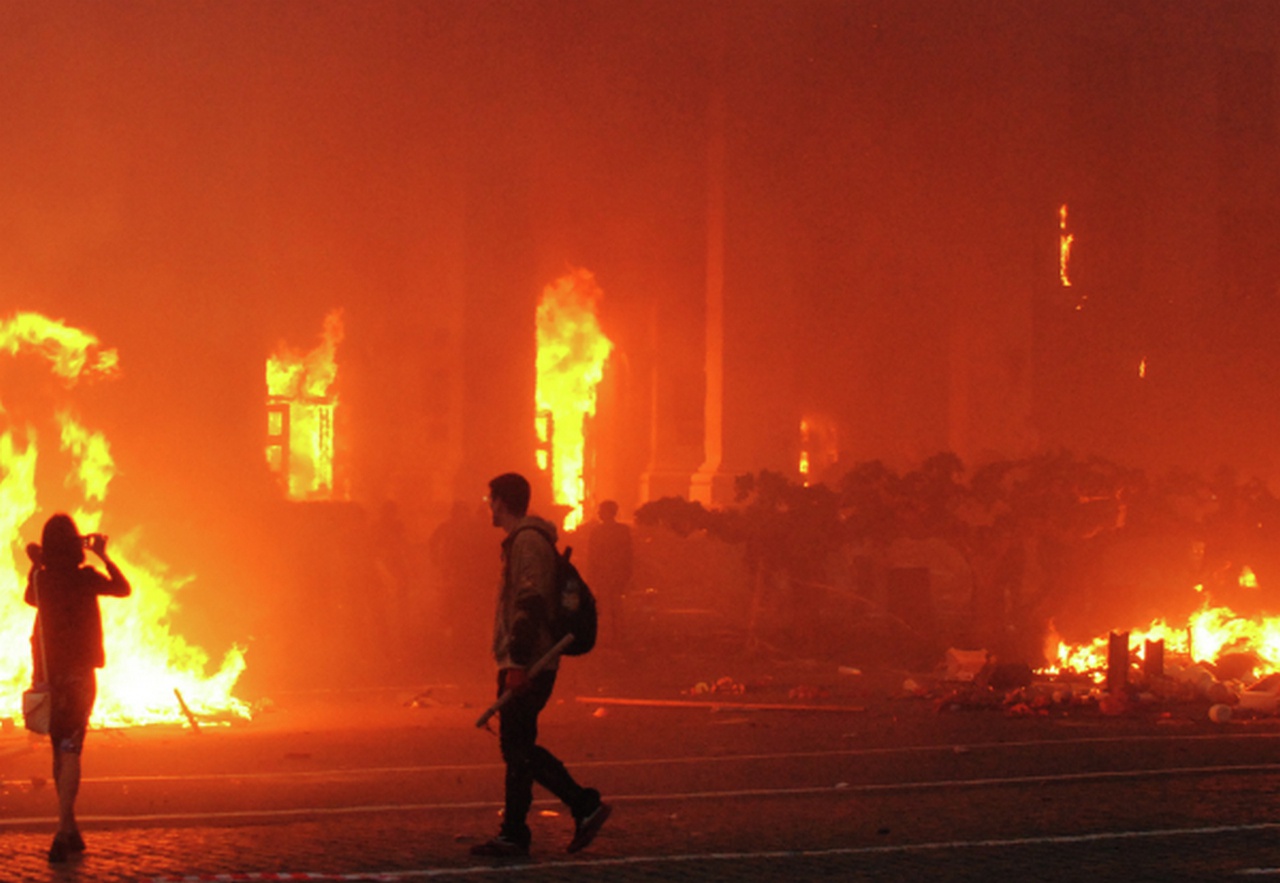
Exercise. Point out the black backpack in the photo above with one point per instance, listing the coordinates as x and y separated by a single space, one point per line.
576 613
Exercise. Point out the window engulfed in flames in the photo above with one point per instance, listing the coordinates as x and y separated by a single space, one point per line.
300 410
146 663
572 351
819 447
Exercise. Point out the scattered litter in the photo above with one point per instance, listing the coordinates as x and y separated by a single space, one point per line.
423 700
600 712
1258 701
715 706
848 670
965 665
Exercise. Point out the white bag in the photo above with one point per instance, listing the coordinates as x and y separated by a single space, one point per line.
37 709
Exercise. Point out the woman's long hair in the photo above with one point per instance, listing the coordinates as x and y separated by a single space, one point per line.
61 542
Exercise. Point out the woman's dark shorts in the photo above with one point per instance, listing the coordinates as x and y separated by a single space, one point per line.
73 700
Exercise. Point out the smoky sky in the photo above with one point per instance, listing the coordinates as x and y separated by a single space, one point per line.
195 182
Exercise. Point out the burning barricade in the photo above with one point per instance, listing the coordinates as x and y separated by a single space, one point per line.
49 461
1220 660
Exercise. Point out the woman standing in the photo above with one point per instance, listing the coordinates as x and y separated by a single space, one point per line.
64 591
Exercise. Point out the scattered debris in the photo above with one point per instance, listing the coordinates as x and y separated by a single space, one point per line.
965 665
423 700
714 706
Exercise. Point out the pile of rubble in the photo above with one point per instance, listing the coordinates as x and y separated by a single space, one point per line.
1162 687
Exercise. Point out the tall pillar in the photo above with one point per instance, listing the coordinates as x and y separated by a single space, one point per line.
710 485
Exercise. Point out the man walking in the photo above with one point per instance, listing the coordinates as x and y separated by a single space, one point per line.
521 636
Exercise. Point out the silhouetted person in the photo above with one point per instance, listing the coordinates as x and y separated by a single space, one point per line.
64 591
521 636
461 549
609 565
393 619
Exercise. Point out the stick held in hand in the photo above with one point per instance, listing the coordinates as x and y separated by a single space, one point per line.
533 671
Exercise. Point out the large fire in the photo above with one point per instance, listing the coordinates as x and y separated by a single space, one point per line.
300 413
1209 634
572 351
148 667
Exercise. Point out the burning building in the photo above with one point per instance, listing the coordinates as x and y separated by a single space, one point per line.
866 211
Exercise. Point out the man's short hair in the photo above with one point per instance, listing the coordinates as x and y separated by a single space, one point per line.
513 490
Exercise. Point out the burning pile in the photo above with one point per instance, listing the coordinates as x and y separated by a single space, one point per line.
1211 633
1219 657
146 663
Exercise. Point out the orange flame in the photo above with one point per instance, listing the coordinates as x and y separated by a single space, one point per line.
1209 633
300 413
804 452
572 351
146 662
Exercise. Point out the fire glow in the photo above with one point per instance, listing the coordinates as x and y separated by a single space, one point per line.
300 415
572 351
1210 632
1064 248
146 663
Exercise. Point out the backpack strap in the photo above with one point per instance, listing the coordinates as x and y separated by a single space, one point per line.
44 659
510 544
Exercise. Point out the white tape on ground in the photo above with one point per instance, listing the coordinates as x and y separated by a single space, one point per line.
814 790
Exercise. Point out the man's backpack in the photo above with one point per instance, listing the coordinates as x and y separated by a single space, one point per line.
576 613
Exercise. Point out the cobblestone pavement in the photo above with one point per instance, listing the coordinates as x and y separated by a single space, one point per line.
375 789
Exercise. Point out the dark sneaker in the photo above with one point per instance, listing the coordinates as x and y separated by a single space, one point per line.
501 846
586 828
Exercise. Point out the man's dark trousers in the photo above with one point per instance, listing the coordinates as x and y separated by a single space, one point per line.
527 762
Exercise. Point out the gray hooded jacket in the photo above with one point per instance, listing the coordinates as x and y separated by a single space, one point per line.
527 594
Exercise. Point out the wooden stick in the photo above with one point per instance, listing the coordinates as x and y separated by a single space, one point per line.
533 670
191 718
715 706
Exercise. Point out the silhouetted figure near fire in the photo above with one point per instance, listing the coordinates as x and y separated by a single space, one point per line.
67 648
609 566
461 550
521 637
394 618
